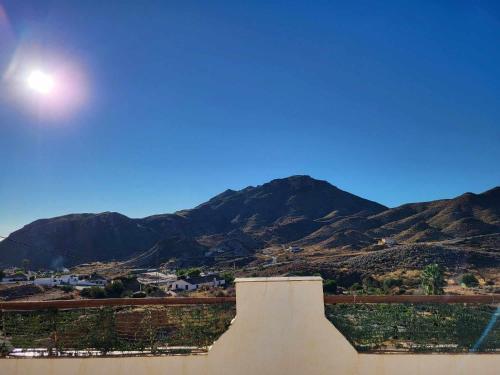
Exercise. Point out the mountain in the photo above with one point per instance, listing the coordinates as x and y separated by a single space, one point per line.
464 216
296 210
76 238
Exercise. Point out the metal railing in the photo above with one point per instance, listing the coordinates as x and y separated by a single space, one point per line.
419 324
158 326
111 327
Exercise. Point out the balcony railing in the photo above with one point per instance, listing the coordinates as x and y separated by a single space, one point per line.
113 327
159 326
449 324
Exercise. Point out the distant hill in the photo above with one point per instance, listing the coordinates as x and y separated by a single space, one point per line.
464 216
295 210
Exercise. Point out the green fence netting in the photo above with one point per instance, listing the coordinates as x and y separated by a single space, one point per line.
418 327
128 330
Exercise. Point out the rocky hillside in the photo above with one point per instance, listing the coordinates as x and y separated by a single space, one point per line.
295 210
464 216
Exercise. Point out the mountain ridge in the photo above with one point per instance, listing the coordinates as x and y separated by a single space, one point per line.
294 210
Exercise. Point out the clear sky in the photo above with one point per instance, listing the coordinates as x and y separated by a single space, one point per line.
395 101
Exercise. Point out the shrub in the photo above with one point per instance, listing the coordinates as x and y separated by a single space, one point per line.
469 280
369 282
390 283
67 288
93 292
220 293
191 272
228 278
330 286
114 289
356 287
126 293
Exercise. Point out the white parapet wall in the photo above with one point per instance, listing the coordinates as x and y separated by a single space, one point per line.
280 328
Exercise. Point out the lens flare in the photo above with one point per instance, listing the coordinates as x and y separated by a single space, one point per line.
41 82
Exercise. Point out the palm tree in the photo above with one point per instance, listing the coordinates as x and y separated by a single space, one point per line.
26 265
432 279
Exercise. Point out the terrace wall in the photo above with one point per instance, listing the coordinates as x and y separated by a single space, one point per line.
280 328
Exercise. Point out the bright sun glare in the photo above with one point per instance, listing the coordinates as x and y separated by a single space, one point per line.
41 82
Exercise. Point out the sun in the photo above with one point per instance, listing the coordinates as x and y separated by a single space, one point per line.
40 82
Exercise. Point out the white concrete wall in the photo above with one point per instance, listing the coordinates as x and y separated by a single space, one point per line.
280 328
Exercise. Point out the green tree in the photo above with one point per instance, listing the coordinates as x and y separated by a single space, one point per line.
193 272
432 279
26 265
330 286
469 280
228 278
114 289
93 292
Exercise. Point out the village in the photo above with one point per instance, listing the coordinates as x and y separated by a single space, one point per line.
18 283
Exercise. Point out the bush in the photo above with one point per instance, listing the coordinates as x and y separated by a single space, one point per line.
370 283
67 288
93 292
356 287
330 286
191 272
228 278
114 289
469 280
390 283
127 293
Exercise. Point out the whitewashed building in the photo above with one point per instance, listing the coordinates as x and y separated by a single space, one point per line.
193 283
73 280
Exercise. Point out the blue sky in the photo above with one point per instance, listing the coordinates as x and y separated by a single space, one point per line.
396 101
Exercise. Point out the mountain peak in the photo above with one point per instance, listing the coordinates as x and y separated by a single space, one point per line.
299 179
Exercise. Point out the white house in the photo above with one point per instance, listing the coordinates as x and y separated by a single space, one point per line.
74 280
193 283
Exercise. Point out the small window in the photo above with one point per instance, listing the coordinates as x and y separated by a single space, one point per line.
187 286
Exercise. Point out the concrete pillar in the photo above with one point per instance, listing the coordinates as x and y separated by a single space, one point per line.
281 328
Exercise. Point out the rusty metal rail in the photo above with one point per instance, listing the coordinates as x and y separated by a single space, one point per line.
329 299
88 303
444 299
